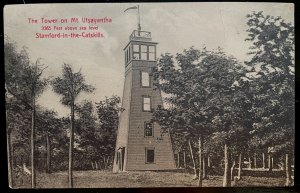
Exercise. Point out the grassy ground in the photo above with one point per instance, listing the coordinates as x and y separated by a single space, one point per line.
107 179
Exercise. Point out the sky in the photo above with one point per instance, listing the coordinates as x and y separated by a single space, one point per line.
175 26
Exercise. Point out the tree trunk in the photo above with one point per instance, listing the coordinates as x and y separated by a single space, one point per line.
178 157
32 138
9 160
192 155
283 166
288 170
226 178
249 160
200 163
184 159
231 171
92 165
255 161
240 167
107 161
48 145
204 167
270 163
9 152
96 165
208 161
101 163
70 179
104 162
263 161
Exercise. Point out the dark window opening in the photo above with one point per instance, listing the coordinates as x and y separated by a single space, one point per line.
149 155
148 129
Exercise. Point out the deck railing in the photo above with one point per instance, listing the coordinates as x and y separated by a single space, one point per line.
140 35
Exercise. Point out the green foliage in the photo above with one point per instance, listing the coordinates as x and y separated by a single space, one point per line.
108 114
200 92
70 85
86 128
273 88
14 79
211 94
96 132
273 41
23 83
22 78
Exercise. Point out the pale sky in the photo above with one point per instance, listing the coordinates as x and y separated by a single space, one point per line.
175 26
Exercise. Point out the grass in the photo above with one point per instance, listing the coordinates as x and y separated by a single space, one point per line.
107 179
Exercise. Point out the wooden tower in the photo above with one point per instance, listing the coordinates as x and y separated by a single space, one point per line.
140 145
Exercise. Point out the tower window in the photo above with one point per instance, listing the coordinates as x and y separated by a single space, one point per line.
129 49
136 52
148 129
136 48
151 52
146 103
149 155
127 56
145 79
144 52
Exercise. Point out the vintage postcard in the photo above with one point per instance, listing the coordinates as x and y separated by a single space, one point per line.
150 95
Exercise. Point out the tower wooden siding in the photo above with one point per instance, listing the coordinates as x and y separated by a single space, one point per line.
137 142
123 127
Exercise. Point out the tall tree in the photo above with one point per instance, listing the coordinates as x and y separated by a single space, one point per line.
13 85
36 86
273 52
70 85
24 82
200 91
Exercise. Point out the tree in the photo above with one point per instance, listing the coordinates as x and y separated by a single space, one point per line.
13 83
49 128
273 52
70 85
24 84
60 145
33 80
183 115
199 90
86 129
108 114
